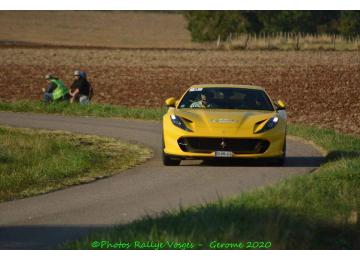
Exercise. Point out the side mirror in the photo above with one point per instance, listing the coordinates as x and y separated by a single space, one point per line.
170 102
280 105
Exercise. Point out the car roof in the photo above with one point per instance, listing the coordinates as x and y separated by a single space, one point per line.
227 86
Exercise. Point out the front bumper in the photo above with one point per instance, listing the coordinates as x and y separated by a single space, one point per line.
178 144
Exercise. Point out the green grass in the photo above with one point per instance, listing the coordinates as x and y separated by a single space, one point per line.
315 211
34 162
99 110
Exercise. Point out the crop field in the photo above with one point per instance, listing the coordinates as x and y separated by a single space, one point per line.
145 30
125 29
319 87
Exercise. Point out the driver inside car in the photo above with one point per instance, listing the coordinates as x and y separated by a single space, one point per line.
204 102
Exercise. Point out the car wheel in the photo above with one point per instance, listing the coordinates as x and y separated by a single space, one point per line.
167 161
280 161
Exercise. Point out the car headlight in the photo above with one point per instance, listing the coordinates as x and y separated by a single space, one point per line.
270 124
176 120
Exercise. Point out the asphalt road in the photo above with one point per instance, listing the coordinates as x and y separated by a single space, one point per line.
46 220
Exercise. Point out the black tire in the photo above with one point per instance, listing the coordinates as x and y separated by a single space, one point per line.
280 161
167 161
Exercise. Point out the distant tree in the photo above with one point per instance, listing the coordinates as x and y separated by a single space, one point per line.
209 25
350 23
327 21
251 22
288 21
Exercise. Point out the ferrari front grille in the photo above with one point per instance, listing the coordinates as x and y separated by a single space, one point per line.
235 145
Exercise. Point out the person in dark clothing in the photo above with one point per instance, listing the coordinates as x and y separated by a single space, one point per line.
80 90
56 90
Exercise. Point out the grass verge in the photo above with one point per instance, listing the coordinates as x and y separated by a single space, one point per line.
38 161
315 211
100 110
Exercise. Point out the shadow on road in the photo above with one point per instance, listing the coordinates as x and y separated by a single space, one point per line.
338 155
298 161
290 161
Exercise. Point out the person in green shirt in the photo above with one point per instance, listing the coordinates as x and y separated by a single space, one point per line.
56 90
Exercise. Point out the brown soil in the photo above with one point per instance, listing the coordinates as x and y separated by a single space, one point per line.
319 87
126 29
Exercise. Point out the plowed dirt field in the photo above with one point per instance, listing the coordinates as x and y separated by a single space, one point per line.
319 87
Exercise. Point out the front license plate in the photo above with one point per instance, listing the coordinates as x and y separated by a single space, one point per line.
223 154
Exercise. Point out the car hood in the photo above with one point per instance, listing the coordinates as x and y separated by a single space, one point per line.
223 121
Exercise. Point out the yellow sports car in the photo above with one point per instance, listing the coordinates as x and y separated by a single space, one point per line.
217 121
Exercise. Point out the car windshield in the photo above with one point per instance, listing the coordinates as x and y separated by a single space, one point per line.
226 98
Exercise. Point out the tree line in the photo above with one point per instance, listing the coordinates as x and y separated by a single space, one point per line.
210 25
